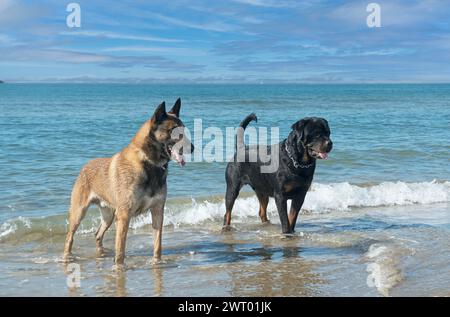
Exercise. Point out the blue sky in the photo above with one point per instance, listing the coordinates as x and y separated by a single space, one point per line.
313 41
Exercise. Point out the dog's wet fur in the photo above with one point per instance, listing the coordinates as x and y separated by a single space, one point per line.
308 141
130 182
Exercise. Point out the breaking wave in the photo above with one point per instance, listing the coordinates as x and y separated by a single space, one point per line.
322 198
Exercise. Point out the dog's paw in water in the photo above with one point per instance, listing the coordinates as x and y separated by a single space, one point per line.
228 228
103 252
159 263
67 258
119 268
289 236
100 252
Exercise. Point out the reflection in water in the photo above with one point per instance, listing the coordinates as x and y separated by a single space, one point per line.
247 262
112 280
282 273
269 267
120 279
114 283
121 282
157 276
236 264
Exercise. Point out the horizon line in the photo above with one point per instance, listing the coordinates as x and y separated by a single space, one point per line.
180 82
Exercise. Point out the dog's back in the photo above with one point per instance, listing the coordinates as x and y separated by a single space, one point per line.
92 182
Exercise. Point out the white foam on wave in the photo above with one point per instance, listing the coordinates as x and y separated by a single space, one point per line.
343 196
9 227
322 198
384 267
198 212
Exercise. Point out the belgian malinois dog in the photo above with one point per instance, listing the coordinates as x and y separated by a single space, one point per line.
131 182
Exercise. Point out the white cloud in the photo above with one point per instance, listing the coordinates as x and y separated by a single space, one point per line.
251 20
158 49
5 4
25 54
266 3
208 26
6 39
113 35
55 55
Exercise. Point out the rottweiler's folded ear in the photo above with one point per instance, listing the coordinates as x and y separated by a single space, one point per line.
327 126
160 112
299 126
176 108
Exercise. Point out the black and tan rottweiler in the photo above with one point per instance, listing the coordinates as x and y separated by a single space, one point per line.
130 182
309 140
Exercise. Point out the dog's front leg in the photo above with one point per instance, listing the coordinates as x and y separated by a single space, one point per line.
157 224
296 205
123 221
281 203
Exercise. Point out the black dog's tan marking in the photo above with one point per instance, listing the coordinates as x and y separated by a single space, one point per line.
130 182
309 140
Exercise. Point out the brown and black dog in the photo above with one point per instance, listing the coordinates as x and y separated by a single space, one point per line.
130 182
309 140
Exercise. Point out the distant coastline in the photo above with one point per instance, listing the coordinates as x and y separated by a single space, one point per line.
174 81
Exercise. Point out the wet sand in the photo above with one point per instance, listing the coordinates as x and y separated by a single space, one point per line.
366 252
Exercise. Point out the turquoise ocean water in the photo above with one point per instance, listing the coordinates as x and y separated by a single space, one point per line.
381 198
380 133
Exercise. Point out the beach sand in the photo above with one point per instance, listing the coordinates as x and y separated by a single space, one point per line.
365 252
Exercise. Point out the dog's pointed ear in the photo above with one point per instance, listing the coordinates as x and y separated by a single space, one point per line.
299 126
176 108
160 113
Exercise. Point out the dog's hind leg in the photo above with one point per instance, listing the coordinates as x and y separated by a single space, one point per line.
107 220
79 204
263 202
230 197
234 185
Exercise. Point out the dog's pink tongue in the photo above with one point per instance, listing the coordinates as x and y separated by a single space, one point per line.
323 155
178 158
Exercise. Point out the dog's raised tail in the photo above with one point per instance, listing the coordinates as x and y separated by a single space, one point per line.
240 131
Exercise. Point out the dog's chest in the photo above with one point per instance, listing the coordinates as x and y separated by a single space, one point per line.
152 179
294 186
146 202
151 190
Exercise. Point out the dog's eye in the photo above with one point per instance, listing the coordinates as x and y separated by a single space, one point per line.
174 130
